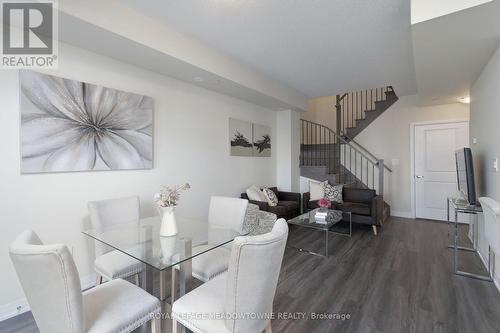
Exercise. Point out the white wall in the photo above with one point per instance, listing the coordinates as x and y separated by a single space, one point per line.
484 126
423 10
388 137
190 144
288 150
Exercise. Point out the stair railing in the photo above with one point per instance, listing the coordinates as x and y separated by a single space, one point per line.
322 147
351 106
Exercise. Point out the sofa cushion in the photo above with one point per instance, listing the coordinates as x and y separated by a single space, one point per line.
290 205
271 197
255 194
358 195
355 208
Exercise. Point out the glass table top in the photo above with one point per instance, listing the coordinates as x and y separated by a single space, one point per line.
308 219
143 242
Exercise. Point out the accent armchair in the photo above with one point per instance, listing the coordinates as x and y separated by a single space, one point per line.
248 287
288 204
51 282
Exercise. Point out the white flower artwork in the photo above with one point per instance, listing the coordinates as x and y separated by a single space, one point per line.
68 125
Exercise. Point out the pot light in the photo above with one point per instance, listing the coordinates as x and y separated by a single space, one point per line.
464 100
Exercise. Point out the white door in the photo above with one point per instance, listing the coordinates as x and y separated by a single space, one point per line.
435 166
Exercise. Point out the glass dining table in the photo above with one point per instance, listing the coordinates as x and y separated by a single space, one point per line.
143 242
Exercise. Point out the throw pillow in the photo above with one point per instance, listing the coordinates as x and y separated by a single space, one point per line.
316 190
255 194
272 199
333 192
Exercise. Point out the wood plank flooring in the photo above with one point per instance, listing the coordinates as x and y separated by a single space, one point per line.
399 281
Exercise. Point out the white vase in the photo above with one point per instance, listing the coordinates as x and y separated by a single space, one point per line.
168 224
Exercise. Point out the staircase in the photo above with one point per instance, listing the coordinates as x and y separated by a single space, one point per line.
358 109
335 155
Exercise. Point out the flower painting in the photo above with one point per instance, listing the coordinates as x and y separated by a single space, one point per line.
68 125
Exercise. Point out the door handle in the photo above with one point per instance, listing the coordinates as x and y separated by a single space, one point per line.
419 176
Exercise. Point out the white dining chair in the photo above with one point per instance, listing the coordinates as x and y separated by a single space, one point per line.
224 213
104 215
51 282
247 288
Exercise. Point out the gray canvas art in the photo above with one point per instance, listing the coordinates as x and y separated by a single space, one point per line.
261 140
240 134
68 125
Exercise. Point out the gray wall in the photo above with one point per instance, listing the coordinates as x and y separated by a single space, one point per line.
485 127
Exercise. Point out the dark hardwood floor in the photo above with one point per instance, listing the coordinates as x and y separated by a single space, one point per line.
399 281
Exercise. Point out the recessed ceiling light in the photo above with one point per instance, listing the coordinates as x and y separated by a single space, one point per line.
464 100
198 79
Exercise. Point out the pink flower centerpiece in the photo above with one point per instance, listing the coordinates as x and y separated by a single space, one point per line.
324 203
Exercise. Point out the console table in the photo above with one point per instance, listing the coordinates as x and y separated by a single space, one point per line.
462 206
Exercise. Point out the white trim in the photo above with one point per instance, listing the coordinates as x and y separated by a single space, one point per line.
407 215
496 281
21 305
412 154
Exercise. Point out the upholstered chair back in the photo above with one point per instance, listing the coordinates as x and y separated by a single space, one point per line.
50 282
227 213
254 268
106 214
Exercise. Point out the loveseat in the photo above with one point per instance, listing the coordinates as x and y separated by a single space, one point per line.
365 205
288 204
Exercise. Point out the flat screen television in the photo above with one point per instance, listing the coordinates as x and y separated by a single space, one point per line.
465 175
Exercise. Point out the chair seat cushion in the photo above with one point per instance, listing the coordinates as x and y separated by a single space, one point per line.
355 208
115 264
209 264
208 299
118 306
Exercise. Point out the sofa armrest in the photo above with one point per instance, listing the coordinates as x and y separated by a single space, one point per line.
305 200
262 204
377 208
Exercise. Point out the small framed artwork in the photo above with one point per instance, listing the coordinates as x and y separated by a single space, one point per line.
261 140
240 136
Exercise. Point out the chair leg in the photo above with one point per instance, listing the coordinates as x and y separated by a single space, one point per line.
98 279
374 227
268 328
156 325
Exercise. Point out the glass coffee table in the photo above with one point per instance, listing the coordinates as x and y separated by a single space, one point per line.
337 222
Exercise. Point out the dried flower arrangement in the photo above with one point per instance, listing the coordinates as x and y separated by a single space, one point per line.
168 196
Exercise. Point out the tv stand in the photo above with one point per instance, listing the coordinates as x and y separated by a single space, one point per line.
462 206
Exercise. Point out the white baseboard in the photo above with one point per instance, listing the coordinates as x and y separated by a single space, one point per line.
396 213
21 305
496 281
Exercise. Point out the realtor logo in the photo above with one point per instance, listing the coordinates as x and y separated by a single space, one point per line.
29 34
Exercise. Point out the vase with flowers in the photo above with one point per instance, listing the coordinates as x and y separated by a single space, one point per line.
324 203
167 200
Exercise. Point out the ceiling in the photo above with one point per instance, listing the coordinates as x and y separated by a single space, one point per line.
325 47
320 47
450 52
